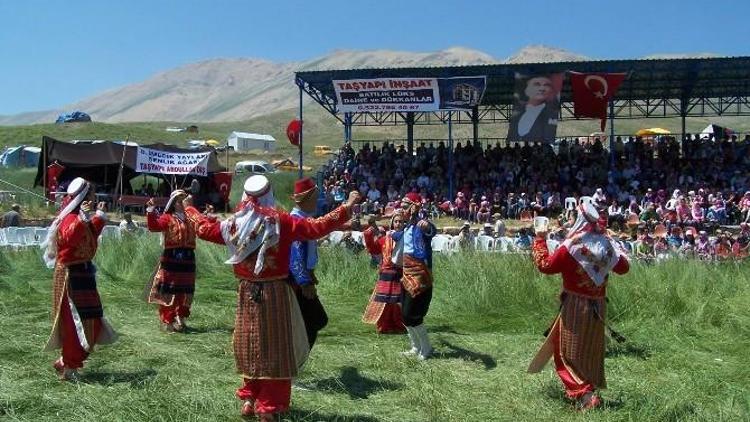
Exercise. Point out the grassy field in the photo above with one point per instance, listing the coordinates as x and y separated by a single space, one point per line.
687 324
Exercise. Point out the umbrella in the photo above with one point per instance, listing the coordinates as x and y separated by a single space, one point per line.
212 142
652 131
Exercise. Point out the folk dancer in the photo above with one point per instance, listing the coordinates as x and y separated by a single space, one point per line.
77 316
302 260
270 343
417 274
173 284
576 337
384 308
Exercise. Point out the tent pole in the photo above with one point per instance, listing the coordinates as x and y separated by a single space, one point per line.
44 171
450 156
611 133
302 125
122 164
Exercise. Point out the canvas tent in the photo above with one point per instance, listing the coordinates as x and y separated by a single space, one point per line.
100 163
718 132
76 116
20 156
243 141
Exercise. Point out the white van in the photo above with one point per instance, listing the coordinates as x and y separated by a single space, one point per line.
253 167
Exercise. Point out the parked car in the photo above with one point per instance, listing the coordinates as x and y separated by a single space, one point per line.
253 167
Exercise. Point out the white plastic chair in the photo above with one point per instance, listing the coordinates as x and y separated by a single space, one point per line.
40 233
485 243
3 239
26 236
358 237
335 237
505 244
11 235
440 243
570 203
110 232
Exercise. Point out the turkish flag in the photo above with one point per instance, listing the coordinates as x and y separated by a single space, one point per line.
223 182
53 173
592 93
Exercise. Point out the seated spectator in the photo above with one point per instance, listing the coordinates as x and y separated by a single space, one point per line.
13 217
717 213
483 213
128 226
703 247
487 230
465 237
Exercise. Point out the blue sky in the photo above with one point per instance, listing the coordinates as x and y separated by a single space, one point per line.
54 53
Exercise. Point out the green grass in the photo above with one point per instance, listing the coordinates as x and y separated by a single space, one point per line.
687 323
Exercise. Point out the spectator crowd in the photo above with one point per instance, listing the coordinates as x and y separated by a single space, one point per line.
646 185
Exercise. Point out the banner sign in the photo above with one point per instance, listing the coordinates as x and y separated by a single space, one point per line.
536 108
165 162
408 94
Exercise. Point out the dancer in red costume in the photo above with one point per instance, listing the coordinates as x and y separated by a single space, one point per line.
77 315
384 309
270 342
576 338
173 284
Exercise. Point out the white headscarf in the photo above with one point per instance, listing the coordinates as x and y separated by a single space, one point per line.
50 243
253 230
595 252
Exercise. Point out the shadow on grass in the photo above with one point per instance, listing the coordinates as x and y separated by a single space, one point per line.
137 379
628 349
456 352
306 416
350 382
444 329
209 329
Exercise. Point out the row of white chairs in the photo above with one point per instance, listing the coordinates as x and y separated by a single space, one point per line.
21 237
445 243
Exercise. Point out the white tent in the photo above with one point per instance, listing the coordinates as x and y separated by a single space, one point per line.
717 131
243 141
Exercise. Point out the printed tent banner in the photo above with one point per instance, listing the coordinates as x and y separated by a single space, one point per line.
165 162
408 94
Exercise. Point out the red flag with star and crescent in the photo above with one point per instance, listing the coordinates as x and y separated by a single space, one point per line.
592 93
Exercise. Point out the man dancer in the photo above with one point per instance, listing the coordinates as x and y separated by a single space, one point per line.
417 274
576 338
77 315
270 344
302 261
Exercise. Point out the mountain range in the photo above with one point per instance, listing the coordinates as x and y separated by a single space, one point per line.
222 90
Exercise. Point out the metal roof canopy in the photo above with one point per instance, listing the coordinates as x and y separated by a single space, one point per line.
654 88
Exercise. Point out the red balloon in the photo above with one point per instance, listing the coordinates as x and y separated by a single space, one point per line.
293 131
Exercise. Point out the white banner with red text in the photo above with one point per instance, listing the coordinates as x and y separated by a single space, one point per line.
408 94
165 162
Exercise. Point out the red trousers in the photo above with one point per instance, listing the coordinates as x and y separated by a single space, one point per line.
573 389
167 314
73 354
269 395
390 320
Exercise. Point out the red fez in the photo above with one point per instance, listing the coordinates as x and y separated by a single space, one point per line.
302 188
413 197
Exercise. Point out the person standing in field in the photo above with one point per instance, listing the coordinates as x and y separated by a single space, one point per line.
77 316
12 218
384 308
576 339
417 274
270 342
173 284
302 261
